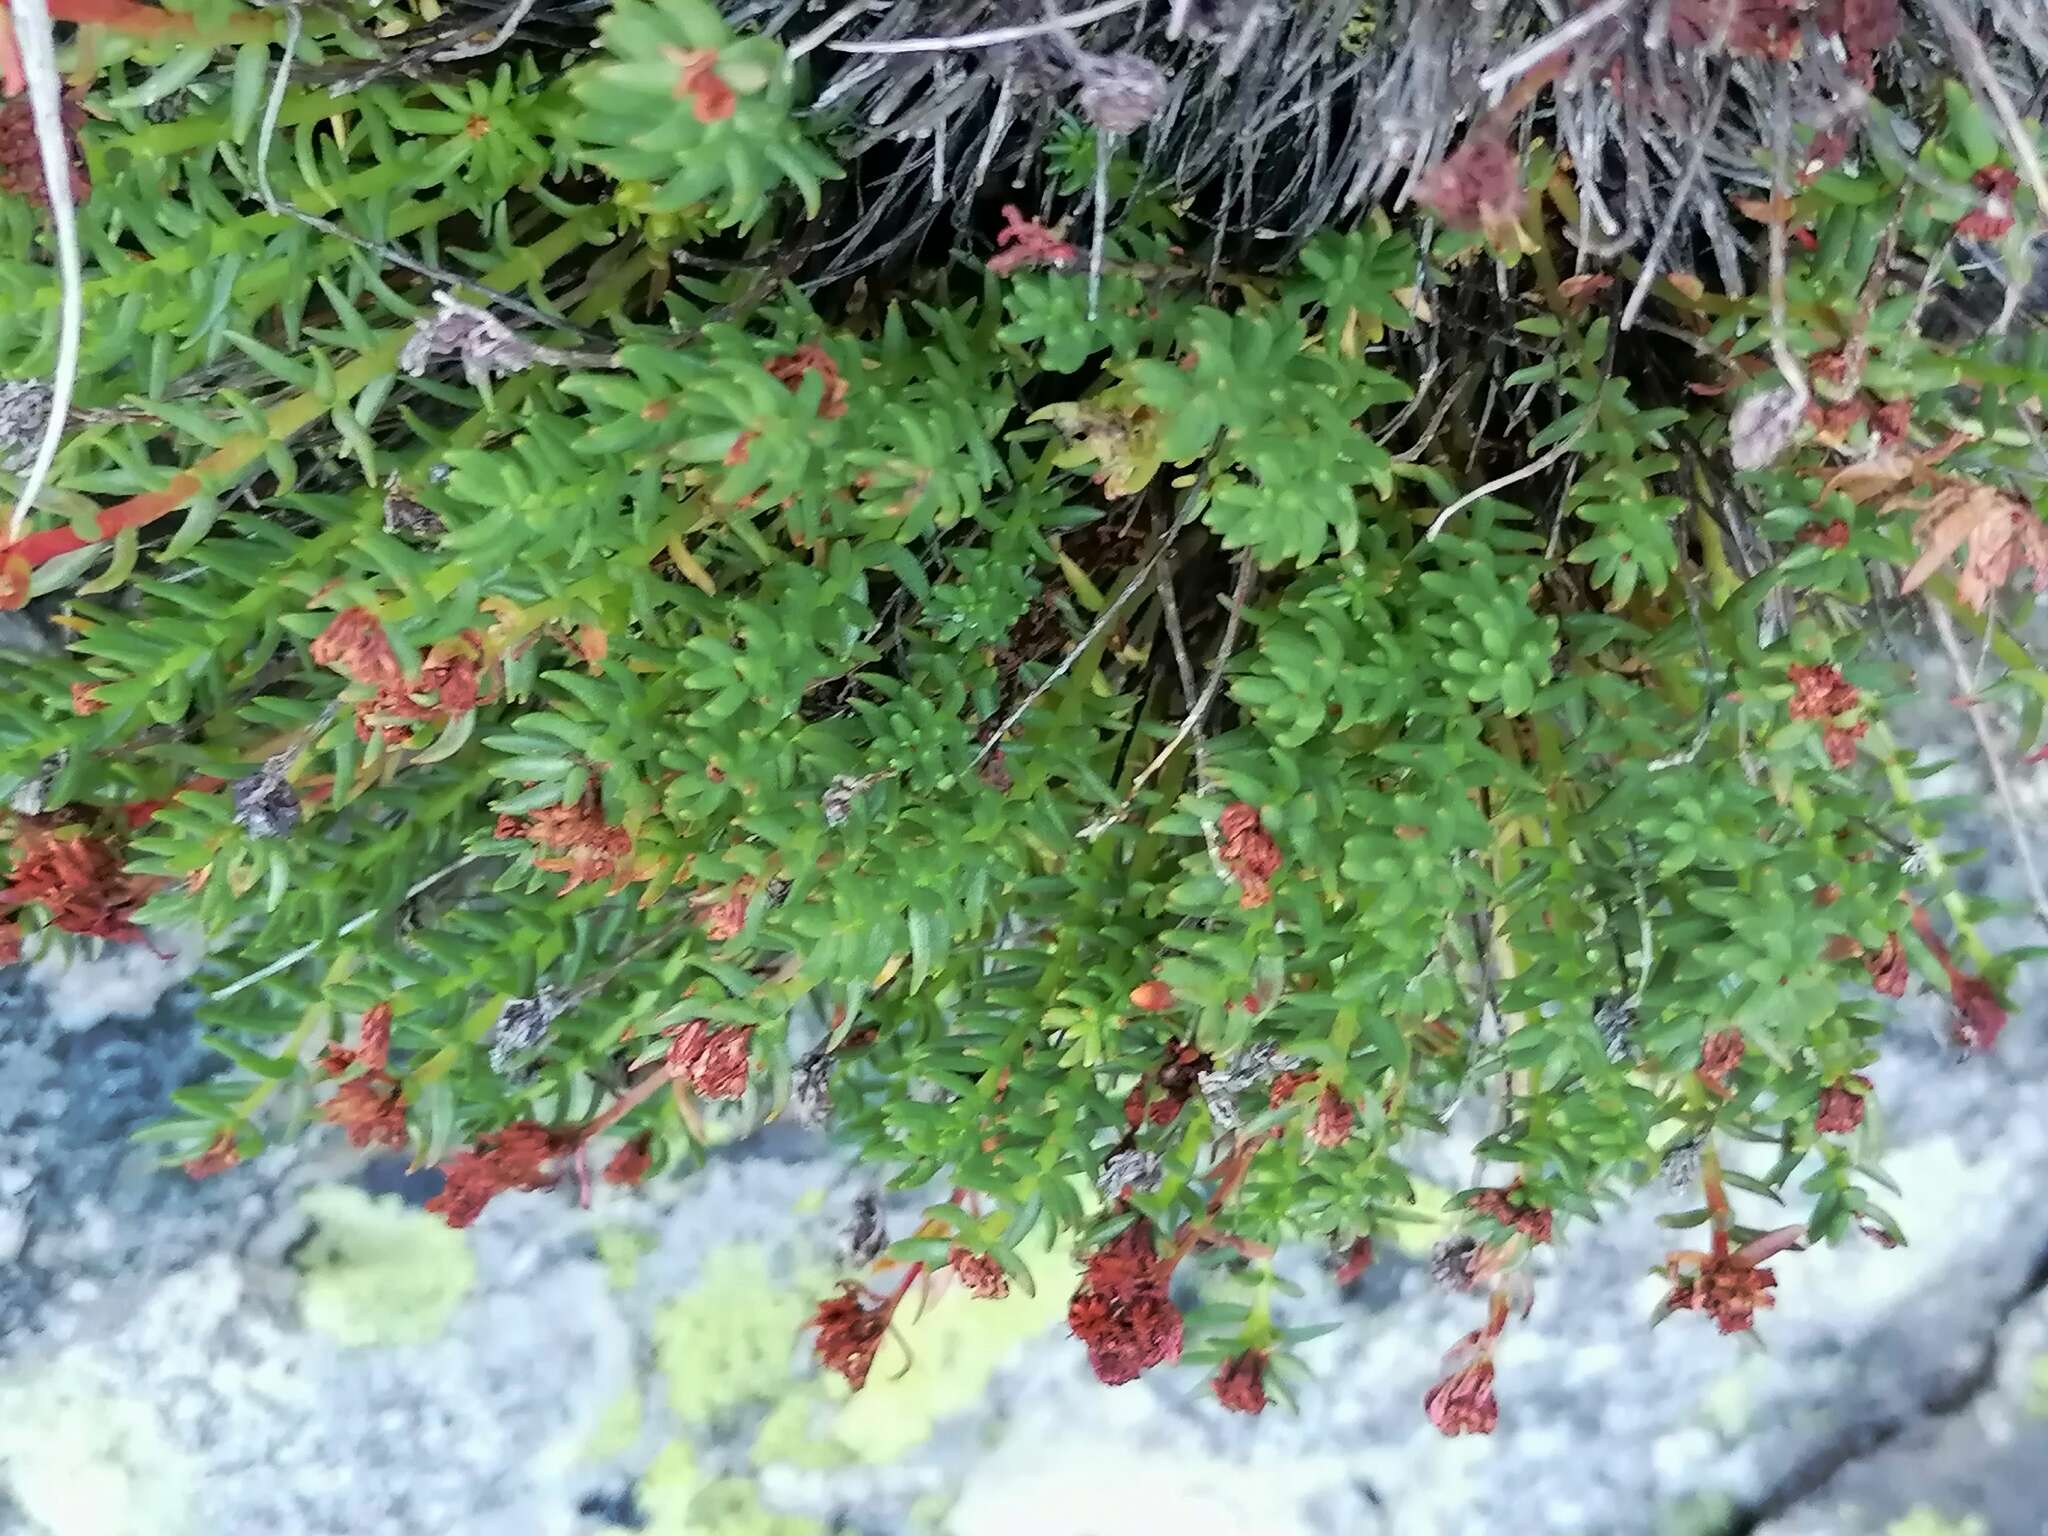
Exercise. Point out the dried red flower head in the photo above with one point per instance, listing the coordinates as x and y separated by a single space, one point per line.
1720 1054
1993 217
1887 967
1333 1121
353 643
85 699
1463 1402
1249 853
1832 535
1356 1261
1864 26
850 1328
79 881
1841 1107
1122 1312
712 1059
515 1158
1820 692
1023 242
698 82
1240 1382
1892 421
370 1109
789 369
10 943
219 1157
373 1037
630 1163
722 917
1509 1207
578 841
1763 28
1152 996
1727 1287
979 1273
1286 1085
1478 185
1979 1018
1839 742
21 165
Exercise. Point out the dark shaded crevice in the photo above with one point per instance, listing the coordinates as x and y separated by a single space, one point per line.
1813 1475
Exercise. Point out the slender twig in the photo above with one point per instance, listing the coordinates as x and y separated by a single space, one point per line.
1653 259
1104 143
1512 477
994 35
38 49
267 132
1131 587
1944 627
293 957
1198 711
490 44
1563 37
1781 350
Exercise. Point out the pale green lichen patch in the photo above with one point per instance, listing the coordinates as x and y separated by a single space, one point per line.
2037 1397
797 1433
1928 1522
82 1462
620 1250
731 1339
378 1272
618 1428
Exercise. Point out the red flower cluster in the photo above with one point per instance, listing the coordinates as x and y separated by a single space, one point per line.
1333 1120
372 1048
1478 185
1720 1054
1979 1017
222 1155
580 842
1510 1209
710 1059
1286 1085
355 645
722 917
1763 28
515 1158
1122 1312
1841 1107
1240 1382
1821 692
1179 1073
630 1163
1725 1286
1356 1261
21 165
79 881
850 1328
1023 242
1463 1402
1831 535
1993 217
10 943
789 369
370 1109
979 1273
1249 853
698 82
85 699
